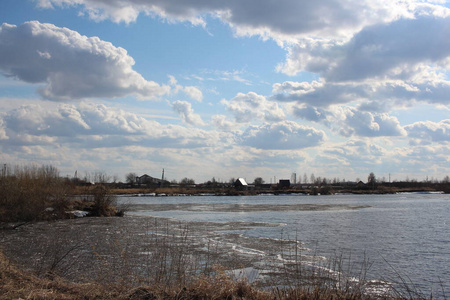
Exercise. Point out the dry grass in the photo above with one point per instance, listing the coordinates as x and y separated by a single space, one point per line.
17 284
33 193
26 192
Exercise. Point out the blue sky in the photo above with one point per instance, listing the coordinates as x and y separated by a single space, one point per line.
338 88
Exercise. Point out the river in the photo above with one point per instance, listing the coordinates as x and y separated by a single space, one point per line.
402 237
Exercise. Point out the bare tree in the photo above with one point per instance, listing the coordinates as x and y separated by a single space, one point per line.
130 178
371 180
187 181
258 181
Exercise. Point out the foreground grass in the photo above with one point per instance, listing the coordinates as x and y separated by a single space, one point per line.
18 284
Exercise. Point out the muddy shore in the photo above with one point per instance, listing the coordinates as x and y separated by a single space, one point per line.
142 250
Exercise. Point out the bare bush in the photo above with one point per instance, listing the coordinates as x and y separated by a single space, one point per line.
31 193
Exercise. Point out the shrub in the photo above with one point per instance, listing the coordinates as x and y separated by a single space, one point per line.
104 201
31 193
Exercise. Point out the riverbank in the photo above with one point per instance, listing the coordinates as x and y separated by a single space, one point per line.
164 242
18 284
154 258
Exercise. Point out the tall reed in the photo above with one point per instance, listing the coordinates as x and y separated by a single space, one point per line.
30 193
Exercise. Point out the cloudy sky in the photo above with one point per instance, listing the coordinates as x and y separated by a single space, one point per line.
237 88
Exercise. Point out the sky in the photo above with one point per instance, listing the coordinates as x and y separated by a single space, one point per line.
227 89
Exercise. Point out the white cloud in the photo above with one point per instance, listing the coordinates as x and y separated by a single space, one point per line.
329 18
91 125
191 91
250 106
425 132
401 61
311 113
184 109
349 121
220 122
358 153
369 124
394 50
384 95
3 135
194 93
70 65
359 157
384 49
318 93
286 135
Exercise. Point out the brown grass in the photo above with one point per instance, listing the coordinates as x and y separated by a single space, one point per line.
26 193
34 193
18 284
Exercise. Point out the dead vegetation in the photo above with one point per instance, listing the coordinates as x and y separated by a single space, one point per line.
35 193
18 284
68 263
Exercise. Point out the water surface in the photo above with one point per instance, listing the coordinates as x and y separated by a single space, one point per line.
396 237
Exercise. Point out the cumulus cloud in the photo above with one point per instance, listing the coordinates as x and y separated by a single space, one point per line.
3 135
328 18
318 93
357 151
70 65
364 156
220 122
385 49
394 49
359 48
250 106
311 113
191 91
401 61
89 125
286 135
378 93
368 124
349 121
194 93
425 132
184 109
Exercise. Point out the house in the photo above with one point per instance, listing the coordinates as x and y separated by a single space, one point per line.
148 180
240 184
284 183
361 185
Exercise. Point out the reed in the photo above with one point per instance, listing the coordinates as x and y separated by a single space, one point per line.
33 193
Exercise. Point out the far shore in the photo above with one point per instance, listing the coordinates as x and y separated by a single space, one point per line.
194 191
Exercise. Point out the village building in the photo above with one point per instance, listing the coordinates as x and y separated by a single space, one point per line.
240 184
149 180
